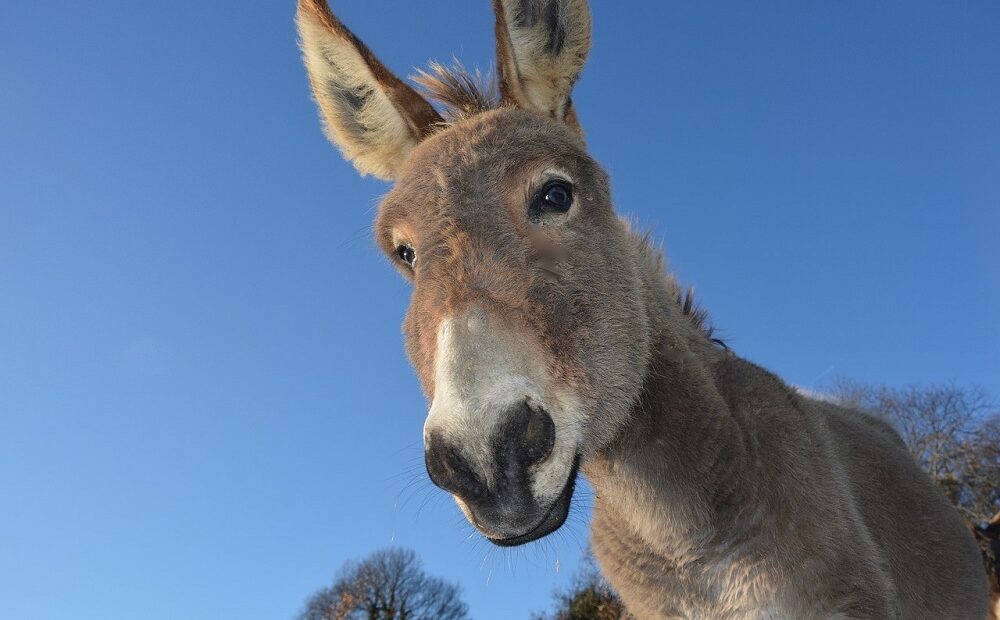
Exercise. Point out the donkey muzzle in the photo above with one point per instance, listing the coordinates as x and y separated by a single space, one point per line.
500 501
524 439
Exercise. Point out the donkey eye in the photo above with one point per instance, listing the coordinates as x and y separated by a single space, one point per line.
558 196
555 197
406 254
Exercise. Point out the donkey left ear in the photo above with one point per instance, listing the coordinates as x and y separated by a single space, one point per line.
541 48
370 114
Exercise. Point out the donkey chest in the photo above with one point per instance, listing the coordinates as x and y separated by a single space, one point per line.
728 590
726 587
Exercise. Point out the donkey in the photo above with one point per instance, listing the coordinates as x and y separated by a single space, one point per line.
550 339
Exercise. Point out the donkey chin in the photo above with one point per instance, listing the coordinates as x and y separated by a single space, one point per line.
498 437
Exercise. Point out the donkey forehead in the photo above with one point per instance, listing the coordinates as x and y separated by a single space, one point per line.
481 159
494 136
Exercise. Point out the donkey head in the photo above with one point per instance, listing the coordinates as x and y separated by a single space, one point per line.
527 325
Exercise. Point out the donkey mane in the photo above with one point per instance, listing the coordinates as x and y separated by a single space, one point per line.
460 93
698 316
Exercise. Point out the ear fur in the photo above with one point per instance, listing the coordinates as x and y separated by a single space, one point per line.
541 48
369 113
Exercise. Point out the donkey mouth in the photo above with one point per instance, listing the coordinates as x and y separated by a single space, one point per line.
552 520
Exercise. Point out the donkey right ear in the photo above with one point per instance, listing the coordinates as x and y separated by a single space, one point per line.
370 114
541 48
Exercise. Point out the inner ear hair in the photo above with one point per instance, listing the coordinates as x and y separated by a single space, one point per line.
371 115
542 46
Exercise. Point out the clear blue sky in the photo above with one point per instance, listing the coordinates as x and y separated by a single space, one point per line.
204 403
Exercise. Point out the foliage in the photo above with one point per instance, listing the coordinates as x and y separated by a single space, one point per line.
588 598
390 584
953 432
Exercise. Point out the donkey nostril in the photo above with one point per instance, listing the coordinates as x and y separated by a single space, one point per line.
538 436
450 471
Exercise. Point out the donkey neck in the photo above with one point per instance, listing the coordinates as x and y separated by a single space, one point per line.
680 467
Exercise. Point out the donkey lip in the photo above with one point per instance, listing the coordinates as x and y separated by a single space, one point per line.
552 520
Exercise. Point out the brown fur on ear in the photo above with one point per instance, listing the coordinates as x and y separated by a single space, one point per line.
541 48
370 114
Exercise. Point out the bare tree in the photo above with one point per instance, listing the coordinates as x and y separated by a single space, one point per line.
953 432
390 584
589 597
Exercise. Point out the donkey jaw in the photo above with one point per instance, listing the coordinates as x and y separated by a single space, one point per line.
552 520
